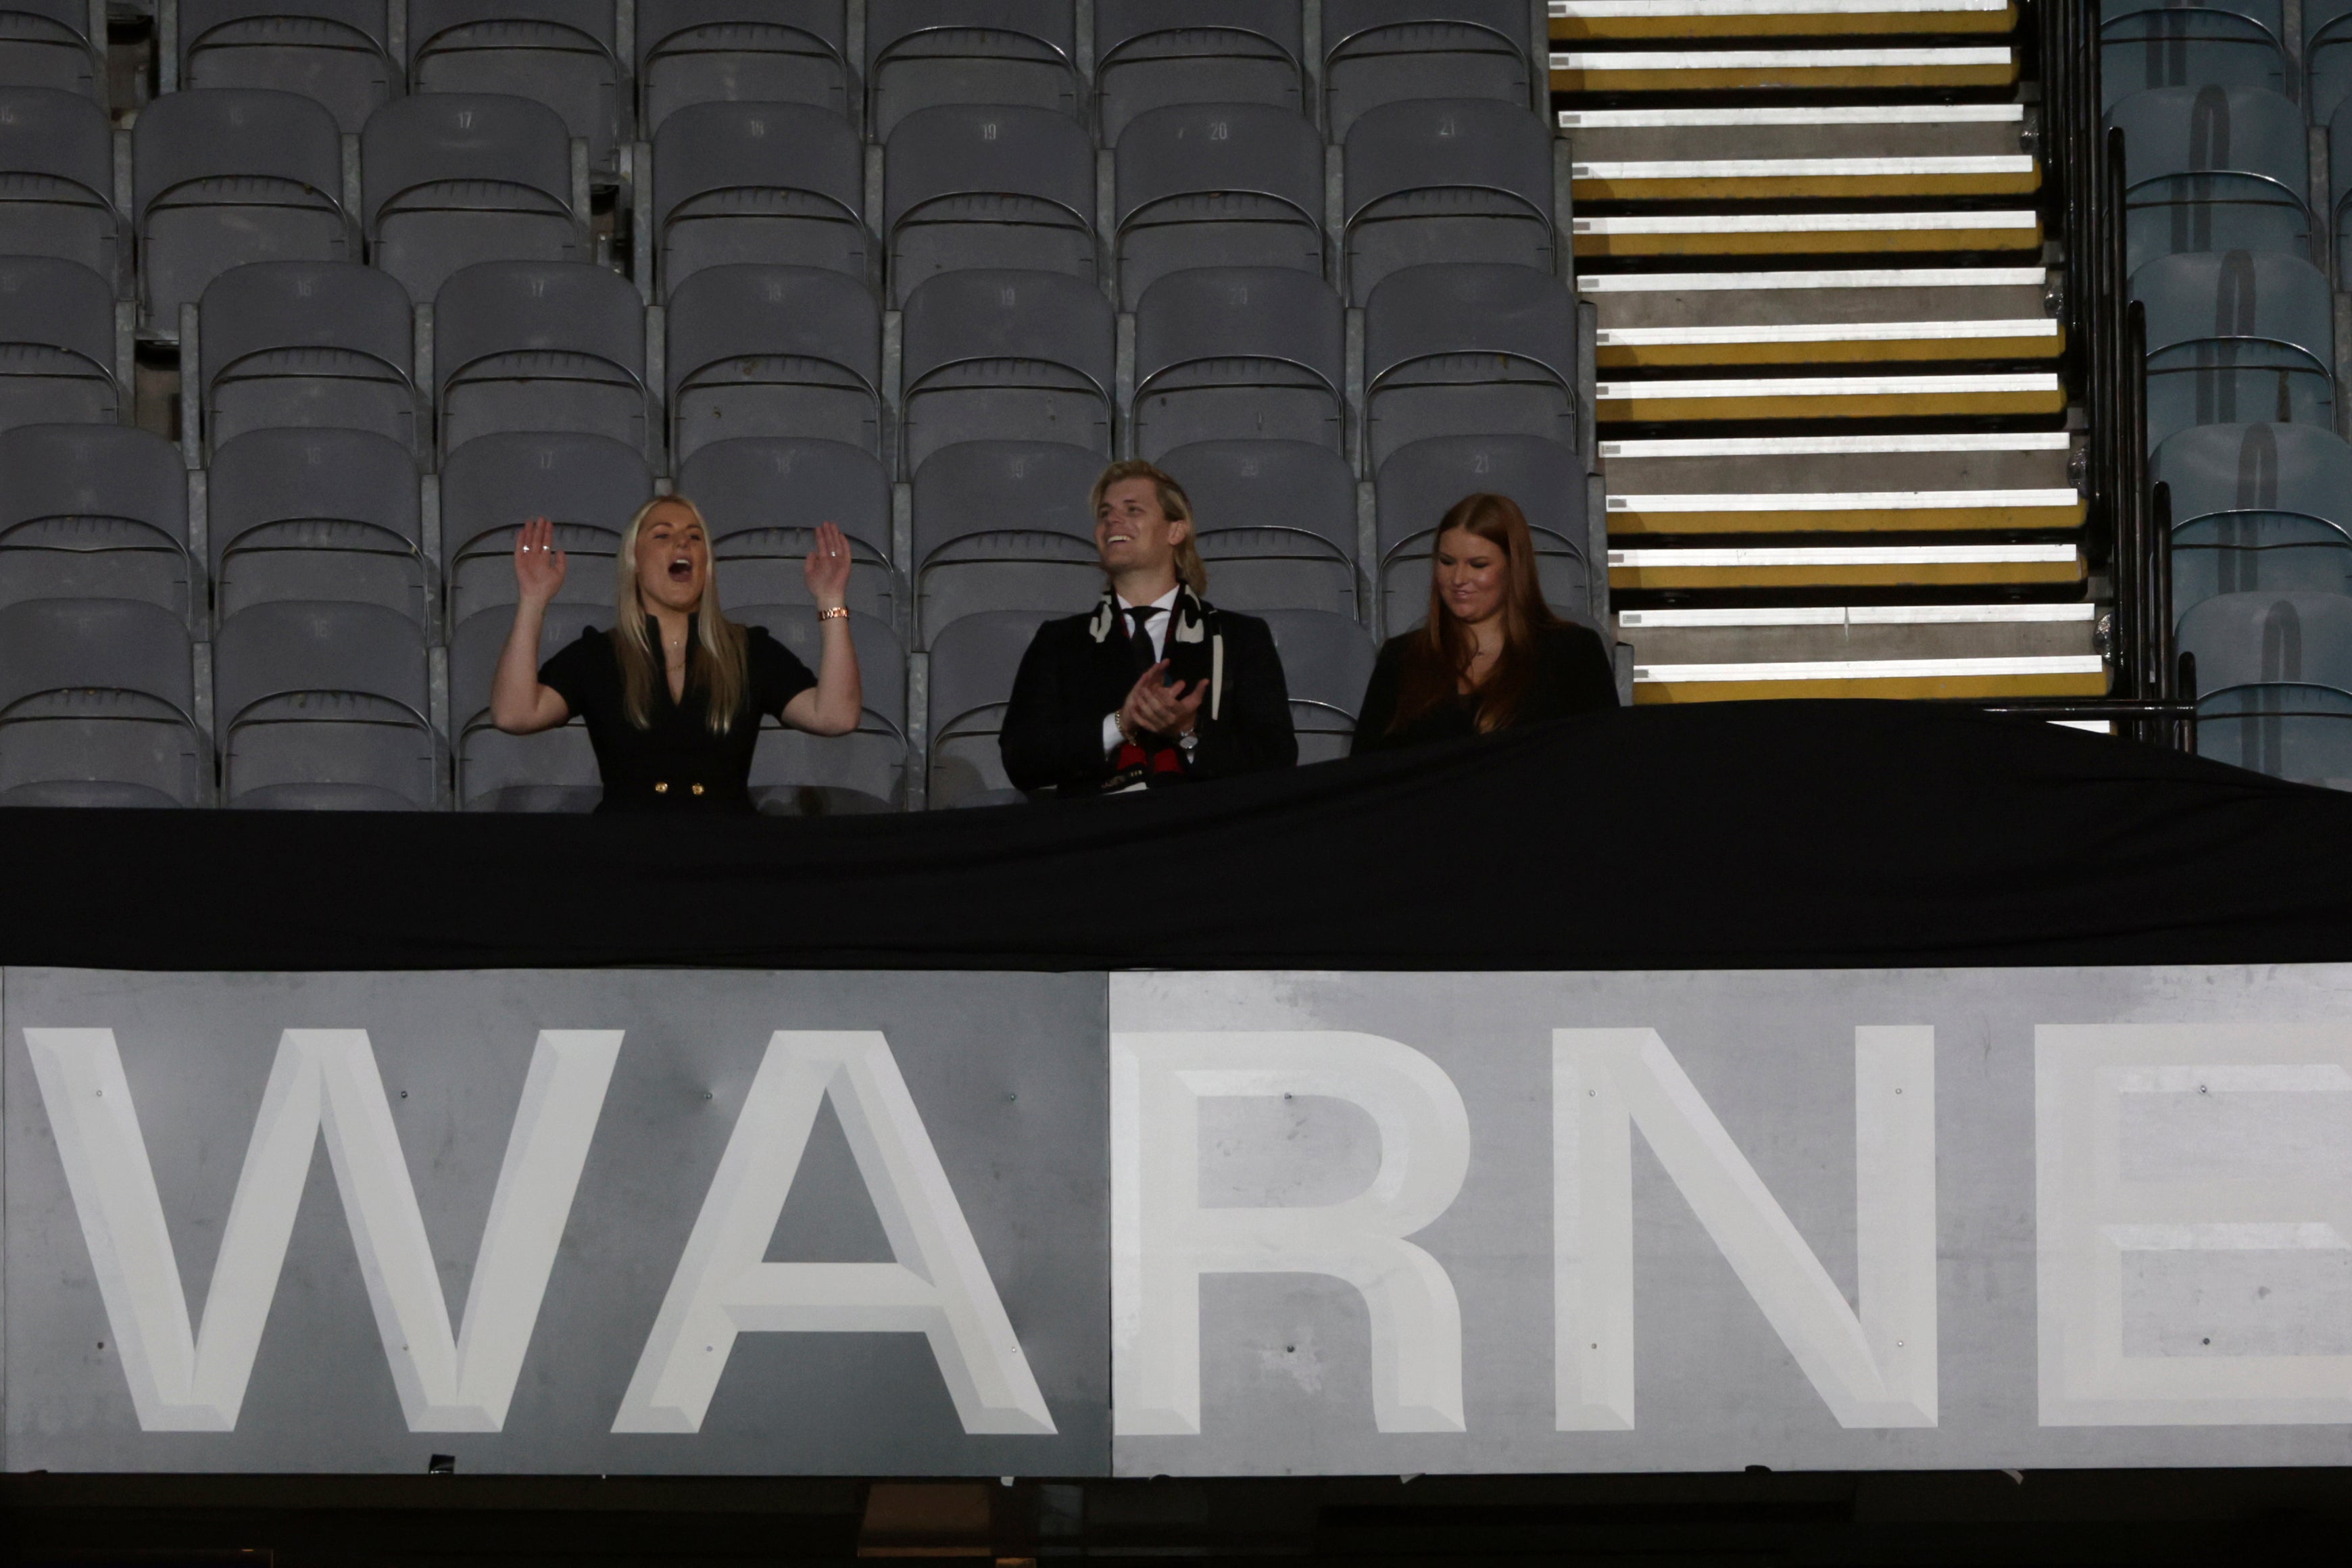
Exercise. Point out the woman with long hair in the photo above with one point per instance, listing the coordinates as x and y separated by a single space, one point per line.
673 694
1491 654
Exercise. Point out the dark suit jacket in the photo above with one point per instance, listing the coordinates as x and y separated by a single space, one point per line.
1079 670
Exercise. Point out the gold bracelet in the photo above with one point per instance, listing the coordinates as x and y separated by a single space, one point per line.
838 613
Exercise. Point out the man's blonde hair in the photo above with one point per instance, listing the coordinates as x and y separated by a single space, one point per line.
1173 504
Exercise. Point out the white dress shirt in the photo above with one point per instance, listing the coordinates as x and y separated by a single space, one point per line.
1156 627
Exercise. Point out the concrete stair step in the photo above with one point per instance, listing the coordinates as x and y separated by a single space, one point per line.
1664 399
1738 70
1846 512
1804 233
1807 132
1576 19
1882 680
1792 316
1995 460
1716 567
1840 632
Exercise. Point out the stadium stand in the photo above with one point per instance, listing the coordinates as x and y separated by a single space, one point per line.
1446 180
923 53
64 353
301 344
95 512
763 498
452 179
1276 522
971 670
2274 683
2232 336
1327 660
560 53
1219 185
2162 44
336 53
99 705
1469 348
1239 353
744 51
1001 355
2209 168
774 350
1390 51
325 707
331 516
780 184
1152 55
545 347
1002 526
57 182
969 188
587 486
2256 508
51 43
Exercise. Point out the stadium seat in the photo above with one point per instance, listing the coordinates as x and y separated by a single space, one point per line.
57 182
2274 683
308 345
795 774
94 511
971 186
554 770
1275 522
451 179
336 53
58 352
763 498
1253 353
2339 183
542 346
1004 525
1385 51
2212 169
922 53
1446 180
230 176
2236 336
1153 54
329 515
775 184
588 485
1015 356
973 661
97 706
774 350
2257 508
324 707
48 42
2326 58
1469 348
560 53
1216 185
1422 482
1326 662
2168 43
744 51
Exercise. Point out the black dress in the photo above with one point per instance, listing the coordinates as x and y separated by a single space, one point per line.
674 763
1573 675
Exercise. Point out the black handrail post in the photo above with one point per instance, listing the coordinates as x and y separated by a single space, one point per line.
2168 667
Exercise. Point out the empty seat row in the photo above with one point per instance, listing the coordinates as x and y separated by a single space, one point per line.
2236 336
2257 507
2225 43
2214 168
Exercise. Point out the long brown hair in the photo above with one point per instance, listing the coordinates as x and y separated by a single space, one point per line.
1173 504
716 662
1437 658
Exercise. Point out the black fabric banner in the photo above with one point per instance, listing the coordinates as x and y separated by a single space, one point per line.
1761 835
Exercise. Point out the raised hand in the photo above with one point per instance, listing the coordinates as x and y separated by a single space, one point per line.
539 565
826 570
1155 707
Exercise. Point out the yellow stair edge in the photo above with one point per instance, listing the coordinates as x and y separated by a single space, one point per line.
1882 350
1633 520
1916 687
1802 188
1804 242
1700 19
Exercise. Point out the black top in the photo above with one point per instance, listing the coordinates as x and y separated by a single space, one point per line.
1573 675
674 763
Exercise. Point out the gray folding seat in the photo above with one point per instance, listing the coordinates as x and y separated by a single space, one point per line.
2339 182
542 346
97 706
973 664
588 486
1220 184
1004 525
920 53
1385 51
969 186
763 498
2274 683
324 707
2209 168
560 53
795 774
1446 179
1009 356
48 42
774 350
1418 486
229 177
744 51
93 511
554 770
450 179
1469 348
307 345
1239 354
2327 57
2191 43
1326 662
1153 54
336 53
316 514
2257 508
56 181
1275 522
2236 336
58 354
775 184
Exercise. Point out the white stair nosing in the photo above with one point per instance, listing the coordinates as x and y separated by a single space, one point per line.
1781 59
1830 445
2095 726
1828 387
1827 114
1858 616
1846 500
1802 223
1850 555
1631 9
1873 669
1830 332
1802 168
1854 278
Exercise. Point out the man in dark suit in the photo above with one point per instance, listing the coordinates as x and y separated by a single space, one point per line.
1156 686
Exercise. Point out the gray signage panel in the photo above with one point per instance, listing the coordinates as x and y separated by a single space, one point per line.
617 1222
1475 1222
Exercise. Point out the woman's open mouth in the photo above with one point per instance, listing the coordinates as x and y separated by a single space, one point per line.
681 569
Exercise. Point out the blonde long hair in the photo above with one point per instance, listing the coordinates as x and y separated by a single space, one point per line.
716 661
1173 504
